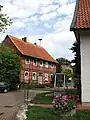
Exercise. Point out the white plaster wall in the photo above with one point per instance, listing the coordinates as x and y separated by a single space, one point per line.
85 65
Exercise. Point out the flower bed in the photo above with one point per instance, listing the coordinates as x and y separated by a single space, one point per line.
64 103
71 97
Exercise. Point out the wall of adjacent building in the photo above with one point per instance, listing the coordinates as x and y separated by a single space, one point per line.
85 65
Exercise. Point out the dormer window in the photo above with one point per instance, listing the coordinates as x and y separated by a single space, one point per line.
46 64
27 60
41 63
35 62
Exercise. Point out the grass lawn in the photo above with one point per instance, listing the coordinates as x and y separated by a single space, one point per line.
43 99
38 113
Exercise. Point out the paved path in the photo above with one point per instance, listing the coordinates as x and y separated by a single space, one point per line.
10 101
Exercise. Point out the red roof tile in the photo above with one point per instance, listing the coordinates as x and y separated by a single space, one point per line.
82 15
29 49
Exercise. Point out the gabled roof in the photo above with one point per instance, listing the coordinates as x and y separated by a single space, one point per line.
29 49
81 19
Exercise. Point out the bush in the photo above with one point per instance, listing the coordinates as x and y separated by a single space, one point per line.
32 85
62 103
41 85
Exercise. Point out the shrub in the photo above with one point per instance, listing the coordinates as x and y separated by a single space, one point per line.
62 103
41 85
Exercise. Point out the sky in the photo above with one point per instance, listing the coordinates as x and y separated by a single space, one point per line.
46 19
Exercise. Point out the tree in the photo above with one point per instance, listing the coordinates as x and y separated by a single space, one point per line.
76 59
69 73
64 61
10 66
61 61
77 68
58 66
4 21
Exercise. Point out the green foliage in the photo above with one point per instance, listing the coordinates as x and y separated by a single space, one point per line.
58 66
64 61
10 66
69 73
75 50
33 85
38 113
4 21
61 61
43 98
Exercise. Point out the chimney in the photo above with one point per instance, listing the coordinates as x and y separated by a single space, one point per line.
35 43
24 39
40 40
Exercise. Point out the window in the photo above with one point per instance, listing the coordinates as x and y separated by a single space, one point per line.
51 77
52 66
27 60
35 62
41 63
34 76
46 64
46 77
26 76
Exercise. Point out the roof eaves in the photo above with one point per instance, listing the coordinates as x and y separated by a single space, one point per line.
15 45
73 24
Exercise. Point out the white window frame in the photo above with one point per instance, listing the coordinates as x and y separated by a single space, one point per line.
26 78
46 76
33 76
35 64
27 62
46 64
41 65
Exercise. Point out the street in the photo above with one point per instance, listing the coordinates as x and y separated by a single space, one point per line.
11 98
10 102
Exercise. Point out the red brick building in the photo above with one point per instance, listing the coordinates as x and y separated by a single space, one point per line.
37 65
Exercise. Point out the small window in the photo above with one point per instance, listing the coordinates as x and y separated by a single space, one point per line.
27 60
34 76
26 76
46 64
41 63
52 66
35 62
46 77
51 76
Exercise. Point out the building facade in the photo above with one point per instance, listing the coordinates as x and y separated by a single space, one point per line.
38 65
81 28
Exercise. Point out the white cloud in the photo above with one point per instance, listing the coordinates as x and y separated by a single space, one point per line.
66 9
57 44
63 2
47 9
23 8
43 15
48 16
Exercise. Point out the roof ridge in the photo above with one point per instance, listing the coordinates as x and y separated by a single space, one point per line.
30 49
26 42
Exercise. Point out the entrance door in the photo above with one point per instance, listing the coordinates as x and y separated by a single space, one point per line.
40 78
